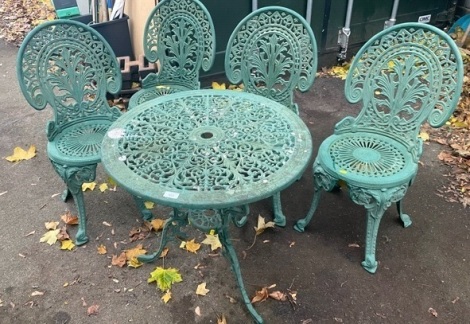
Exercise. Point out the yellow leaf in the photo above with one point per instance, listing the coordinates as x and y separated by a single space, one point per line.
192 246
19 154
102 249
67 245
149 204
157 224
88 185
135 252
213 241
51 225
50 237
262 225
166 297
164 278
134 263
103 187
218 86
424 136
201 289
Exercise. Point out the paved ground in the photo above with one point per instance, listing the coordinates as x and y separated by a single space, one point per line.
422 267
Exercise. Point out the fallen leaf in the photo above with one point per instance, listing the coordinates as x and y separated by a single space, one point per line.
213 241
192 246
278 295
166 297
50 237
355 245
102 249
157 224
221 320
164 252
197 310
261 295
51 225
30 233
149 204
93 310
103 187
120 260
88 186
432 311
69 219
134 263
218 86
107 224
164 278
63 235
424 136
201 289
37 293
262 225
135 252
19 154
67 245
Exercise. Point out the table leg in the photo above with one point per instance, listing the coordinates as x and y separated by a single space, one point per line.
172 227
231 255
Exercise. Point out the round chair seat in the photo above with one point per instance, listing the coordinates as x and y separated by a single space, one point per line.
365 159
147 94
79 144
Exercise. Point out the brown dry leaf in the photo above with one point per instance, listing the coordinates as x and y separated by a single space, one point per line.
262 225
164 252
261 295
51 225
192 246
221 319
93 310
120 260
201 289
139 233
63 234
135 252
69 219
278 295
432 311
101 249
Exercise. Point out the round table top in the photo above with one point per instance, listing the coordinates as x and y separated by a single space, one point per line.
207 149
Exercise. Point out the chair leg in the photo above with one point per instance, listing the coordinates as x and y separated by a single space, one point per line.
376 201
279 218
405 218
144 212
74 177
321 181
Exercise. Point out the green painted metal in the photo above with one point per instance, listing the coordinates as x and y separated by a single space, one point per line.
405 75
273 52
180 36
69 66
207 154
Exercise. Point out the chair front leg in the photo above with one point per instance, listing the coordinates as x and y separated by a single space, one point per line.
74 177
279 218
405 218
321 181
376 201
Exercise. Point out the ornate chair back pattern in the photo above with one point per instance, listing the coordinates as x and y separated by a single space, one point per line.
404 76
69 66
180 35
272 52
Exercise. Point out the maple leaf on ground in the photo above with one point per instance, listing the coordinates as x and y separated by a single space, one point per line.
103 187
120 260
63 235
164 278
88 186
134 263
261 295
213 241
190 246
139 233
218 86
51 225
201 289
135 252
67 245
278 295
69 219
262 225
101 249
155 224
19 154
166 297
50 237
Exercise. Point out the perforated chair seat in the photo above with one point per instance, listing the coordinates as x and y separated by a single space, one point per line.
144 95
79 144
365 158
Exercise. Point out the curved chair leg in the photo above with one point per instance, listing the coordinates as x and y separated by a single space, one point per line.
144 212
321 181
405 218
375 201
74 177
279 218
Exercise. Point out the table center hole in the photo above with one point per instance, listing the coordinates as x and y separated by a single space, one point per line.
207 135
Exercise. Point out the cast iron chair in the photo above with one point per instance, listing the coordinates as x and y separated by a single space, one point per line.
70 66
405 75
179 35
272 52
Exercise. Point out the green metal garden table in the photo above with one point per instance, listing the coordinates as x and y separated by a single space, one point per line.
207 154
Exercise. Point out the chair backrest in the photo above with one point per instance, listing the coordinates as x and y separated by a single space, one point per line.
180 36
69 66
404 75
272 52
